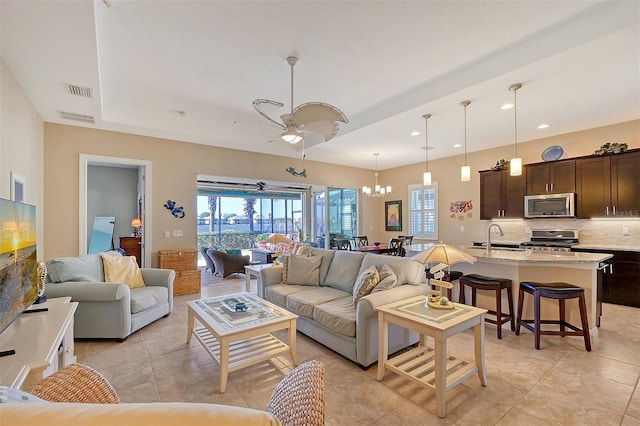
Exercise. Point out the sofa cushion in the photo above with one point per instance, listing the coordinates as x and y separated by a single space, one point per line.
143 298
303 270
303 302
77 268
278 293
365 283
122 270
327 258
407 270
338 315
387 280
345 268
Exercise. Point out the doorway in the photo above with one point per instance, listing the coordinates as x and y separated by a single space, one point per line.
143 191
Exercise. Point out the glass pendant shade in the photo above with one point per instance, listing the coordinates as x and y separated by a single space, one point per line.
465 173
377 190
291 136
515 167
426 178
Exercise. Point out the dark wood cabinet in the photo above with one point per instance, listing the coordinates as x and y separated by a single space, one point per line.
608 186
620 284
551 178
501 195
133 247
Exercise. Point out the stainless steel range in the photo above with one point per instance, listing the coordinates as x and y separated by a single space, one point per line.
551 240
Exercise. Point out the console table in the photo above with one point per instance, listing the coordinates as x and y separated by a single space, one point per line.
43 342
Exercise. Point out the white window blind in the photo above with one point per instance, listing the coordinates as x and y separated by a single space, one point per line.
423 211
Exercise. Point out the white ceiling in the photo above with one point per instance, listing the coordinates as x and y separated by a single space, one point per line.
383 63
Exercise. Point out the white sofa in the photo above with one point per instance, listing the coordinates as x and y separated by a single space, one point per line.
327 313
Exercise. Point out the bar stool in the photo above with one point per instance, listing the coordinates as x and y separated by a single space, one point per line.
450 277
480 282
561 292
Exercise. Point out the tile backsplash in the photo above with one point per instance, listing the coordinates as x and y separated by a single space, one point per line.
595 232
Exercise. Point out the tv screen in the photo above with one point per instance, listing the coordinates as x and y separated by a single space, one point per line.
18 260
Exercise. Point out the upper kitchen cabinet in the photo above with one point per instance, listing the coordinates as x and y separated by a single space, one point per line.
501 195
551 178
608 185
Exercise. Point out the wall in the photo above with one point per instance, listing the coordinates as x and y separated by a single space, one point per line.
175 168
21 147
447 173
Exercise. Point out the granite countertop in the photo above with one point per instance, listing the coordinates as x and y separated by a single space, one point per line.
607 247
528 256
497 242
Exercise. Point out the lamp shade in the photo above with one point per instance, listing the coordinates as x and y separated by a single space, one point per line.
278 238
443 253
136 223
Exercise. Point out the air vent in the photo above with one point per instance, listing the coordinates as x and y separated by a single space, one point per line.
76 117
76 90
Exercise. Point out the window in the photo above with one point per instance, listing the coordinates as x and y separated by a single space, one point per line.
423 211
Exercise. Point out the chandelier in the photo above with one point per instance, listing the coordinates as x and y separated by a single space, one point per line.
378 190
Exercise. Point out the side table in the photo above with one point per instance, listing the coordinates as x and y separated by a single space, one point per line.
427 366
254 270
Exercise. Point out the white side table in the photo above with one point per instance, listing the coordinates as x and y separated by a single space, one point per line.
254 270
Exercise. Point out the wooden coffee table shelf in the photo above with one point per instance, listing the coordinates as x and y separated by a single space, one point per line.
239 339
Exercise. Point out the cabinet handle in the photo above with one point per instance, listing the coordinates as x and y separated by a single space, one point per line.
614 210
606 211
546 187
551 185
611 268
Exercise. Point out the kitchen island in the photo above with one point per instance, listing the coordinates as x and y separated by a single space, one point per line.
581 269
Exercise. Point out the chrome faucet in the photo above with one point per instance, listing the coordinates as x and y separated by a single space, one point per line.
489 236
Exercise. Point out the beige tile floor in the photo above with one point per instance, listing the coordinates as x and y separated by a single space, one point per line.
561 384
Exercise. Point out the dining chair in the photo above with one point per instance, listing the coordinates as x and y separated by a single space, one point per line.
360 241
408 239
395 247
342 244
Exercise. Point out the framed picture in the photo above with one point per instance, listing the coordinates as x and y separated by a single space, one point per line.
393 215
17 187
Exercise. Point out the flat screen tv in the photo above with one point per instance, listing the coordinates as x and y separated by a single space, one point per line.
19 277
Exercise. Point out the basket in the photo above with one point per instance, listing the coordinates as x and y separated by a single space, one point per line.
186 282
179 260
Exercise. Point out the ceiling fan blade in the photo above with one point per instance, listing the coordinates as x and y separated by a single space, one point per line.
246 123
317 111
327 129
269 110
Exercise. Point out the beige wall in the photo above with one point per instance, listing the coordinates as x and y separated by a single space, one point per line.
175 167
447 173
21 147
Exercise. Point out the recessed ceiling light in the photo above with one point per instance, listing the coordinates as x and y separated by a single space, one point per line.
415 133
457 145
543 126
506 106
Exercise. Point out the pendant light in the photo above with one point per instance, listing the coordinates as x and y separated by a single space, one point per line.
465 171
426 176
515 164
378 190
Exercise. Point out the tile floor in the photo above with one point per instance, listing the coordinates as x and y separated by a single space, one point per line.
561 384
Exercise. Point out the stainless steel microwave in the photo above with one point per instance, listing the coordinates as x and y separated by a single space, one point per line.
550 205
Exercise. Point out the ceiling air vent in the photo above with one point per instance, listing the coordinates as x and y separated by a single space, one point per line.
76 90
76 117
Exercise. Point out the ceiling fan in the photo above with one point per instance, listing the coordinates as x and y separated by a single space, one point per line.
312 122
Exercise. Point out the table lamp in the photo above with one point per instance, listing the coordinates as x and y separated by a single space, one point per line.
278 239
137 225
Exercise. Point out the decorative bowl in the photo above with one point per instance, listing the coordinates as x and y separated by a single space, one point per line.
377 243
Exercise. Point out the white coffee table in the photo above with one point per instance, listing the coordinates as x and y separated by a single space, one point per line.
239 339
427 366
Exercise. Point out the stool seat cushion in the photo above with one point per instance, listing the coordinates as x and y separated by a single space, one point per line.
483 280
551 288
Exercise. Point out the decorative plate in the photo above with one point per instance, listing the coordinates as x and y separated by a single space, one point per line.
552 153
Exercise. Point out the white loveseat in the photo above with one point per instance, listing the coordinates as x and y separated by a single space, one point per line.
326 311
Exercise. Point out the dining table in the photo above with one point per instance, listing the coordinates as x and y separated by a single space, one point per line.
379 249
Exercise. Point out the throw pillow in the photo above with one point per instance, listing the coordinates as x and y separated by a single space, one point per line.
388 279
122 270
365 283
303 270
